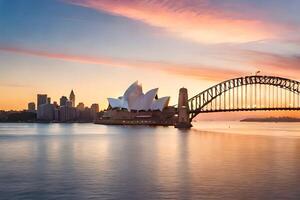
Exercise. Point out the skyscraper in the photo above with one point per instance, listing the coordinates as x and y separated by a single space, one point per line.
55 104
95 107
46 112
63 101
68 113
80 106
94 110
72 98
31 107
41 99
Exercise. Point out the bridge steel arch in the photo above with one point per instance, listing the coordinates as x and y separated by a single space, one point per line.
198 103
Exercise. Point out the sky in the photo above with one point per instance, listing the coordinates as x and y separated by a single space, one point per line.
99 47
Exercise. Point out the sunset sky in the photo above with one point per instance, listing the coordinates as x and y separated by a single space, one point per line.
99 47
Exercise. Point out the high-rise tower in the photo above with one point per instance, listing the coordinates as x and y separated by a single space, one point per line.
41 99
63 101
72 98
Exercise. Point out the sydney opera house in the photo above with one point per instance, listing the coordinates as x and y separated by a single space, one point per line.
136 107
135 100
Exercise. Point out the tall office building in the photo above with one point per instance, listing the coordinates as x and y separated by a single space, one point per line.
49 100
68 113
80 106
55 104
95 107
72 98
94 110
31 107
46 112
63 101
41 99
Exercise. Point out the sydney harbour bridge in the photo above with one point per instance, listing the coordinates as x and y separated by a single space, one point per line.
250 93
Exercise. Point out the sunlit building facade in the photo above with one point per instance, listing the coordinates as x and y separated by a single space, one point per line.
31 107
72 98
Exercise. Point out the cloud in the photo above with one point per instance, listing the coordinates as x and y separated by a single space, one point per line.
14 85
268 63
190 70
196 20
273 63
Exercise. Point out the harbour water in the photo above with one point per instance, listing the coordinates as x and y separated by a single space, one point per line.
213 160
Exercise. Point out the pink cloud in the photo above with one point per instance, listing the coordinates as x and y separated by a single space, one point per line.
273 64
195 20
193 71
268 63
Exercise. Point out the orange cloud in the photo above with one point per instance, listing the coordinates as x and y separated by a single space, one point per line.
267 63
193 20
271 63
193 71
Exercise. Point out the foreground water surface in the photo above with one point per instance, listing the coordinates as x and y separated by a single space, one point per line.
214 160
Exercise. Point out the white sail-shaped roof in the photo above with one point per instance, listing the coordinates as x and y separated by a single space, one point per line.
135 99
144 101
148 99
114 103
160 103
129 90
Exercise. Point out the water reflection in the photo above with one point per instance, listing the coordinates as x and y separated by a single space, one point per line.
80 161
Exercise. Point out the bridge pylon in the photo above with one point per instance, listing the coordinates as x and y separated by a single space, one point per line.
183 121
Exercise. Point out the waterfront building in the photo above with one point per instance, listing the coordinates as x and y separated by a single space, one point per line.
137 108
95 107
94 110
31 107
135 100
63 101
46 112
80 106
41 110
57 114
68 113
86 114
65 112
55 104
41 99
72 98
69 104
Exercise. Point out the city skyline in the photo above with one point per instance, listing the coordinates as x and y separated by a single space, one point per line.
52 46
35 101
62 101
65 111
